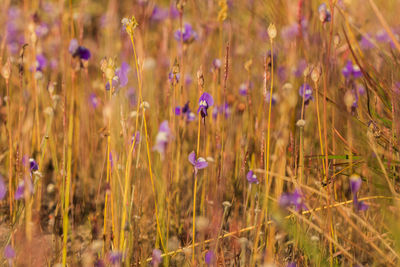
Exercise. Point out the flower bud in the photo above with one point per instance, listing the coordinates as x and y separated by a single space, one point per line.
272 31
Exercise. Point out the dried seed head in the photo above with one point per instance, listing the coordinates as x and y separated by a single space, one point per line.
200 78
316 74
226 204
247 65
6 70
272 31
300 123
349 99
129 25
223 12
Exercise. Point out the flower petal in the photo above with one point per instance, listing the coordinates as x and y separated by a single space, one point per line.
192 158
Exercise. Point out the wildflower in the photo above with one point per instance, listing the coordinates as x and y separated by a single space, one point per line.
209 258
129 25
121 76
19 193
355 185
115 257
173 78
78 51
3 188
198 164
324 14
243 89
293 199
351 71
41 30
9 252
274 98
33 165
223 109
186 35
41 62
365 42
205 101
216 63
159 14
251 177
94 101
306 92
162 138
156 257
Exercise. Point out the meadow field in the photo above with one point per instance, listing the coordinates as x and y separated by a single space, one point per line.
199 133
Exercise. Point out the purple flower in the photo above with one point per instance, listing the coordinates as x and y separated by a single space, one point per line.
355 185
274 98
162 138
3 188
324 14
78 51
293 199
41 30
243 89
115 257
159 14
156 257
41 62
251 177
94 101
209 258
199 163
187 35
173 78
205 101
136 138
306 91
33 165
301 66
121 76
351 71
177 110
9 252
223 109
291 264
365 42
216 63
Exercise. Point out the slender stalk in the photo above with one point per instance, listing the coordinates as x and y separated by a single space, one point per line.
194 193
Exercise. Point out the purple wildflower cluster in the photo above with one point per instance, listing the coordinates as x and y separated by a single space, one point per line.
186 35
78 51
251 177
205 101
355 185
121 76
185 112
305 91
293 199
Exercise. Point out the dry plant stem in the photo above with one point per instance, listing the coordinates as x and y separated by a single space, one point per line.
319 130
130 155
152 181
194 194
250 228
68 177
265 201
108 170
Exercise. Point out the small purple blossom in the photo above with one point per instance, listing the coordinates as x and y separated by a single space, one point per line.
209 258
41 30
305 91
33 165
78 51
205 101
94 101
41 62
198 164
156 257
216 63
159 14
187 34
365 42
324 14
243 89
3 188
163 137
19 193
274 98
115 257
355 185
293 199
351 71
173 78
251 177
121 76
9 252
